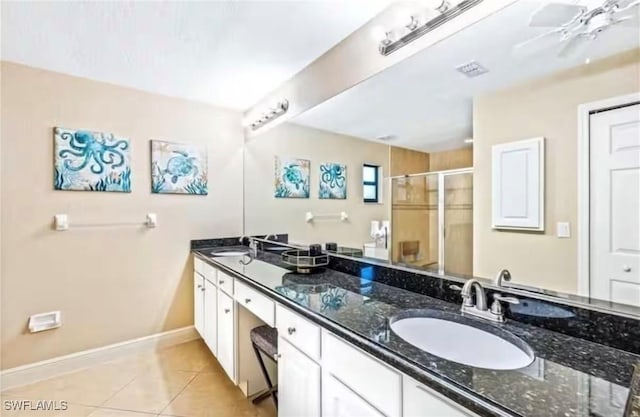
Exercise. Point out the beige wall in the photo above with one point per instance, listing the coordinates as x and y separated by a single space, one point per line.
546 107
266 214
111 283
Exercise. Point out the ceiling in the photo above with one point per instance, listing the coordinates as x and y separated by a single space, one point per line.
426 104
228 53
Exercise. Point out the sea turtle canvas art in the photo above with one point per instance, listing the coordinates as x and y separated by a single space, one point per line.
333 181
291 178
91 161
178 168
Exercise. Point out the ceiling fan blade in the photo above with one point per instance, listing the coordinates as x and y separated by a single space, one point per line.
575 46
538 44
556 14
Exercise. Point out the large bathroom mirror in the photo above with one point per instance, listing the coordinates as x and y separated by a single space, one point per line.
513 144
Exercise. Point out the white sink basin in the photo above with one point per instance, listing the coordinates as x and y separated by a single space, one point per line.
464 344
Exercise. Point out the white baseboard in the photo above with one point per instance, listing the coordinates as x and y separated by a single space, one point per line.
27 374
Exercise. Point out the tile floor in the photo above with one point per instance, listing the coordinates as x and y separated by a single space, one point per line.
184 380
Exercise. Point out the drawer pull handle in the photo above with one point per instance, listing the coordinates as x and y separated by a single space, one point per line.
221 282
247 300
202 289
227 311
199 286
291 330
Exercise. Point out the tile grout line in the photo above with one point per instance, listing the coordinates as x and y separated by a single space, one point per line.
195 375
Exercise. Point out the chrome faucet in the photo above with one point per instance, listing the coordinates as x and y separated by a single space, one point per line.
253 247
503 275
242 238
479 307
275 237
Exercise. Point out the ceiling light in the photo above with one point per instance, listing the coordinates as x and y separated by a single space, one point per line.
412 28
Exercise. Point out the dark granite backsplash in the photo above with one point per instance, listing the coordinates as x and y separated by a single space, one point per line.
231 241
608 329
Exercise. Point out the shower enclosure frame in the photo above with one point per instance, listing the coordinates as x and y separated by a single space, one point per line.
441 206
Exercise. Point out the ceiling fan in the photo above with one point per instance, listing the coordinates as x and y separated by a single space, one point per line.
576 27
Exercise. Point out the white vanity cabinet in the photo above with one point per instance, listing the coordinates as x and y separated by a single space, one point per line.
198 303
298 383
210 325
226 334
299 373
420 401
340 401
319 373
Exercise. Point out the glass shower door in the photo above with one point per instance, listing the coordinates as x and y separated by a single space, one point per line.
458 223
415 221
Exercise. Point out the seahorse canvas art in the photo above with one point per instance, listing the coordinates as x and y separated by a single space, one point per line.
292 178
91 161
333 181
178 168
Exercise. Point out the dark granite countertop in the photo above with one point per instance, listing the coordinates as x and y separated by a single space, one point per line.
569 377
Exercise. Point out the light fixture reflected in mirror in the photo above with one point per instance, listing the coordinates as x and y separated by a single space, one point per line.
412 27
278 110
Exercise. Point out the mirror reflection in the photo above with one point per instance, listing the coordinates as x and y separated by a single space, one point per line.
513 144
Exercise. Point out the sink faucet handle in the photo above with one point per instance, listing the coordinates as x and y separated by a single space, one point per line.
455 287
510 300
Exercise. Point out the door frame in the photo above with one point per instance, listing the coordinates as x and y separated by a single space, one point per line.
584 184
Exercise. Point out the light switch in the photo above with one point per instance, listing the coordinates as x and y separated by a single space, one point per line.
563 229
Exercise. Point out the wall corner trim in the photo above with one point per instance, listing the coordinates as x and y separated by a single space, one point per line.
33 372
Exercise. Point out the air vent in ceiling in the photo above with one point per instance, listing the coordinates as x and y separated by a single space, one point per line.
386 138
472 69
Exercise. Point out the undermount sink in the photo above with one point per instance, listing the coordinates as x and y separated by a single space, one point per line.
444 335
230 252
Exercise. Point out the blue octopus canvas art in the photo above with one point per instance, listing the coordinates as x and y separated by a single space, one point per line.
333 181
292 178
91 161
178 168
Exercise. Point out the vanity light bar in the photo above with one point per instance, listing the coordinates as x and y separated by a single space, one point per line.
278 110
415 29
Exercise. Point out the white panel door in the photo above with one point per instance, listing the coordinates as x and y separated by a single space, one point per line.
615 205
339 401
517 185
226 334
210 316
198 303
298 383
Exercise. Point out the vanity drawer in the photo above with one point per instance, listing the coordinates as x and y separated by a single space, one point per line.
207 271
375 382
225 283
299 331
257 303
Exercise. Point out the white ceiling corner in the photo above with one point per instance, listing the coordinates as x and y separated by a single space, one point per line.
228 53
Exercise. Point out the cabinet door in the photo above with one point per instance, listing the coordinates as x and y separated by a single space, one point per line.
420 401
198 303
298 383
226 334
340 401
210 316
